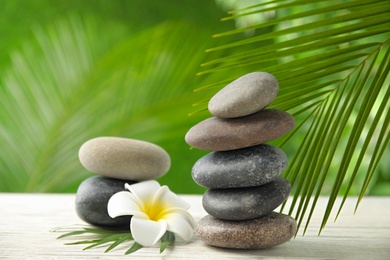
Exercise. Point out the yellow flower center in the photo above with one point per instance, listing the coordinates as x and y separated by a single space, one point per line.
155 212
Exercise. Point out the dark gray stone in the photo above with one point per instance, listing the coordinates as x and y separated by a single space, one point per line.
247 167
221 134
244 96
92 198
268 231
246 203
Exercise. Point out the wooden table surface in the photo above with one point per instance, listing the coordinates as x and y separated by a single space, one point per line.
26 221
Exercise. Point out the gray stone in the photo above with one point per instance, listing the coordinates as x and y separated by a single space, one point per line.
220 134
124 158
244 96
247 167
92 198
265 232
246 203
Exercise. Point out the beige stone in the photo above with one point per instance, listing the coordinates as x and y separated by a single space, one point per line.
264 232
244 96
124 158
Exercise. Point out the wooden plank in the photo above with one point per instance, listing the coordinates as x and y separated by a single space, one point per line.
26 221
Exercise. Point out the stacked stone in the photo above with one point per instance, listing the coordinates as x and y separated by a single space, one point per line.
116 161
242 173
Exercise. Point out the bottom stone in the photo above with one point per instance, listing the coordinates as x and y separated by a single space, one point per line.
267 231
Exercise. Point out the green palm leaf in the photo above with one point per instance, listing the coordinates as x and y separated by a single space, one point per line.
332 62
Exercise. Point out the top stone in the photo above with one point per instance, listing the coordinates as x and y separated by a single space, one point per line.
244 96
124 158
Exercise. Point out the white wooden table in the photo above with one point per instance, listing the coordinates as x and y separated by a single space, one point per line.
26 221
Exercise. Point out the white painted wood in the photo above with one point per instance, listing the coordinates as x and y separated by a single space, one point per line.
26 221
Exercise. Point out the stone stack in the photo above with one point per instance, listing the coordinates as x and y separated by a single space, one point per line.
242 173
116 161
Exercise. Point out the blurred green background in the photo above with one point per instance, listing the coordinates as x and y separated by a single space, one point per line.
74 70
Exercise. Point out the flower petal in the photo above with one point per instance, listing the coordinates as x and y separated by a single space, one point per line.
144 192
166 199
147 232
181 223
123 203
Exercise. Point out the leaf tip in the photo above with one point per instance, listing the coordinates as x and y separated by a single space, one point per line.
133 248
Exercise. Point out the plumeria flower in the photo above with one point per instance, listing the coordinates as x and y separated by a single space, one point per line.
155 210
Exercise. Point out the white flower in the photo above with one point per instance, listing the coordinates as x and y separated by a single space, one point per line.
155 210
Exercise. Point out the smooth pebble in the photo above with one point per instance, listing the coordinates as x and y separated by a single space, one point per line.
247 167
219 134
265 232
124 158
246 203
244 96
91 201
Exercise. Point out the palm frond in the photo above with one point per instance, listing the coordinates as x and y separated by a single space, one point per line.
332 63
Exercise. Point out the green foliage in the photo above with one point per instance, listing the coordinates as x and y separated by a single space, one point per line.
166 240
332 60
80 77
101 237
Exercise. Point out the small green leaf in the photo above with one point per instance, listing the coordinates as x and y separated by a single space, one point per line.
167 239
73 233
104 240
119 241
87 230
96 237
133 248
83 242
